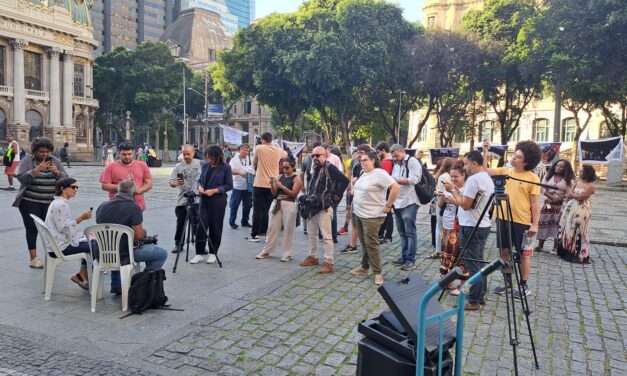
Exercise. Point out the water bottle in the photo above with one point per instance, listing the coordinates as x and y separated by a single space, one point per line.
527 244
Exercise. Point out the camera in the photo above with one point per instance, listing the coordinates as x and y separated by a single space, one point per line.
499 183
146 240
309 206
189 194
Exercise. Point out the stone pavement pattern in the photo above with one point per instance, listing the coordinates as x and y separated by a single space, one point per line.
266 317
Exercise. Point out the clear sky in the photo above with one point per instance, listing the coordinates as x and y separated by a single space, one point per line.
412 8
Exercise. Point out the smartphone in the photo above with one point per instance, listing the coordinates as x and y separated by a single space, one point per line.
91 209
48 159
180 176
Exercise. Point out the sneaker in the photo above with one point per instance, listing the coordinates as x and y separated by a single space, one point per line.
36 263
116 290
175 250
385 241
349 249
326 268
526 292
359 271
408 265
378 279
335 241
342 231
196 259
472 307
262 256
234 226
253 239
286 259
398 261
11 188
310 261
211 258
500 290
246 224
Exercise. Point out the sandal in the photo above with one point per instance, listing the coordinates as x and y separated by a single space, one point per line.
538 249
84 284
434 255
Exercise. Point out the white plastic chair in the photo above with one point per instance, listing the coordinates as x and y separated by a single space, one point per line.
108 236
50 264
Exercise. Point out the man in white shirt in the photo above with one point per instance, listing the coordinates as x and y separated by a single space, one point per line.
243 171
184 176
471 202
407 172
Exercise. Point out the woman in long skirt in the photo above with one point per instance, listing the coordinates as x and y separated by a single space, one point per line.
574 243
560 175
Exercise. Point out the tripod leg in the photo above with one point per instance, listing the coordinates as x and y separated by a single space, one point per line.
527 312
180 245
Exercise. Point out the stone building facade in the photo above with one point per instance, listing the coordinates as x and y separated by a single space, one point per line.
46 73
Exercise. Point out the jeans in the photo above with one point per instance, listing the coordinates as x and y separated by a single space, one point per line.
237 196
262 199
83 247
334 225
406 227
153 255
474 251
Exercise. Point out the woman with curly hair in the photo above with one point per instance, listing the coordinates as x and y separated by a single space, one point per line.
574 243
38 173
560 175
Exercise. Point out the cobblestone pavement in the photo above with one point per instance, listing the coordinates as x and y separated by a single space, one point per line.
285 319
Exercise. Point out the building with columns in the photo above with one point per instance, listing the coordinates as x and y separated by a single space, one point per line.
538 119
46 70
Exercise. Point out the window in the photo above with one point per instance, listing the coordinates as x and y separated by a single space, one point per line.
430 22
516 135
81 128
208 135
217 134
245 128
79 79
3 125
32 70
423 134
2 49
247 108
36 124
486 130
569 129
212 54
541 130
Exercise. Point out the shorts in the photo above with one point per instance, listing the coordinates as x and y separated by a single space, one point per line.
10 170
518 232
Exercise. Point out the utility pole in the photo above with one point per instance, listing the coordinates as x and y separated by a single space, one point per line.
127 126
204 130
184 108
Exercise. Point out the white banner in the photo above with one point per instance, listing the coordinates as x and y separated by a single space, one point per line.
232 135
601 151
295 147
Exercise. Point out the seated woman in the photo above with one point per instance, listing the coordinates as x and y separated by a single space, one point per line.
283 211
573 238
64 228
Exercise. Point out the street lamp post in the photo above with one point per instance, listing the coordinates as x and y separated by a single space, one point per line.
127 126
557 120
400 101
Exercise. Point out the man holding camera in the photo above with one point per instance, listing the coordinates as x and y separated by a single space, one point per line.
184 176
123 210
326 190
127 168
524 199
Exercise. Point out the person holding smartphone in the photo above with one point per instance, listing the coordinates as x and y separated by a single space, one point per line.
38 174
184 176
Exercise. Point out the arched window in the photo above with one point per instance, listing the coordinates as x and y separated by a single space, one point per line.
541 130
486 128
3 125
423 134
81 128
36 124
569 128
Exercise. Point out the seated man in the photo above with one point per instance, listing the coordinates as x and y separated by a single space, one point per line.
122 210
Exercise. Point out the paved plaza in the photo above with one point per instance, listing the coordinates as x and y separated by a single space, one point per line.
271 318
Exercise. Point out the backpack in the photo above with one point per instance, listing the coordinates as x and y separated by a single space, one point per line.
8 158
146 291
63 153
426 185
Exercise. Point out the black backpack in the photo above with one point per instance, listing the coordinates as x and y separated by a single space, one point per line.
8 158
425 187
146 291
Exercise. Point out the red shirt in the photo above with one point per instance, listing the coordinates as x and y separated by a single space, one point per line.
387 165
136 171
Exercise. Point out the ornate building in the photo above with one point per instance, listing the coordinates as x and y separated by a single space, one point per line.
538 119
46 67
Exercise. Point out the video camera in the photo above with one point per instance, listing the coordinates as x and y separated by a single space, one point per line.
154 239
499 183
309 206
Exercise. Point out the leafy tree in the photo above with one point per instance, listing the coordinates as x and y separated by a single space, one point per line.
509 78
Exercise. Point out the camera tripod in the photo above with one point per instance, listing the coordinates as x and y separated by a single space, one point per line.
189 232
511 266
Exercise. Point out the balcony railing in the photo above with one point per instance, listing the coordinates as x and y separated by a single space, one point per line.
6 91
36 94
91 102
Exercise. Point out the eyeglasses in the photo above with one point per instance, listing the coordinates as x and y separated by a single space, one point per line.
364 160
75 187
316 155
287 167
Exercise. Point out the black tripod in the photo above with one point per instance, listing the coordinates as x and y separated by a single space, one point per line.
512 266
191 223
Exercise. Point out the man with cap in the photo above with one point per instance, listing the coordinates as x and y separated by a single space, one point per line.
407 172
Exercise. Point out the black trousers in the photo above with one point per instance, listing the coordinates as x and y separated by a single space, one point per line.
26 209
434 221
262 199
211 217
387 227
181 213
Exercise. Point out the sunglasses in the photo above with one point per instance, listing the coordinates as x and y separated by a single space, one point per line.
287 167
316 155
75 187
364 160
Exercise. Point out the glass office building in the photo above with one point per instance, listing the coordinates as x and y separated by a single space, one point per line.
243 9
234 14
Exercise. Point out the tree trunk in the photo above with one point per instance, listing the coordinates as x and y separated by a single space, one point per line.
423 122
157 138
